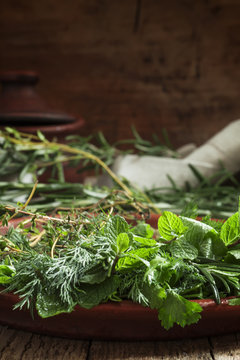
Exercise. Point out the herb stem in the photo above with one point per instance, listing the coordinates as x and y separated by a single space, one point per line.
27 202
53 247
35 239
38 217
71 150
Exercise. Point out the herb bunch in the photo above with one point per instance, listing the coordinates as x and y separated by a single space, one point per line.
54 264
215 199
22 154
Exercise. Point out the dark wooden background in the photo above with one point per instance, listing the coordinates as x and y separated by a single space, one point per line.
152 63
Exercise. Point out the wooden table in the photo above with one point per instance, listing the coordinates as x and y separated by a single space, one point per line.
20 345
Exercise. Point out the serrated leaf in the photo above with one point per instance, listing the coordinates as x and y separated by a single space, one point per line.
92 295
204 238
143 230
145 241
160 271
115 226
205 228
230 231
176 309
48 305
122 242
170 225
135 258
155 295
181 248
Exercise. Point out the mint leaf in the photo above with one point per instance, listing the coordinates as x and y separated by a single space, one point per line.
49 305
181 248
160 270
95 276
176 309
92 295
145 241
144 230
135 258
204 238
170 226
122 242
230 231
204 228
115 226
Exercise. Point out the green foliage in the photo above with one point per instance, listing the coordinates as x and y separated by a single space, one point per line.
122 242
87 260
48 305
177 310
144 230
6 273
170 226
234 302
183 249
230 231
92 295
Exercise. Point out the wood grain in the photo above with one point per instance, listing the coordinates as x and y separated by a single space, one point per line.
226 347
16 345
186 349
20 345
155 64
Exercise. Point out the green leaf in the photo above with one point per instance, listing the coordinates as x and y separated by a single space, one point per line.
95 276
204 238
212 247
155 295
235 253
181 248
204 228
143 230
145 241
160 270
49 305
6 273
170 225
122 242
115 226
230 231
235 301
41 136
135 258
177 310
92 295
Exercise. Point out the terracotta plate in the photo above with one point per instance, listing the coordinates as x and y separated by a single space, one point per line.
120 321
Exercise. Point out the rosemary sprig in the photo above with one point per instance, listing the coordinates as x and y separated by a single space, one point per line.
33 142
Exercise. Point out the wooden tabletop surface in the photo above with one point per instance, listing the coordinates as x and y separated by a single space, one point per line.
21 345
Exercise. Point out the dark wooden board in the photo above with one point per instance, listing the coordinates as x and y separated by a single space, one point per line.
16 345
155 64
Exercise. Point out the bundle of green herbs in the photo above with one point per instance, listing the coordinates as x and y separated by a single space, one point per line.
22 154
56 263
